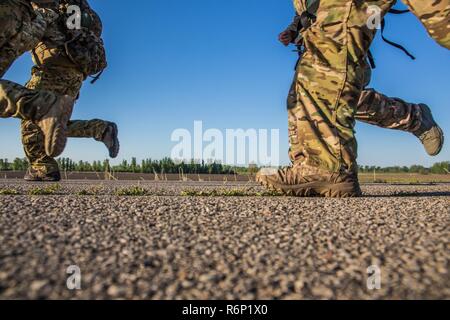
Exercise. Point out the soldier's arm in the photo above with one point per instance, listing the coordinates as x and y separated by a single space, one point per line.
33 31
289 35
295 26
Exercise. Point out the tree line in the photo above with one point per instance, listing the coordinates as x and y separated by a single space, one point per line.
437 168
165 165
168 166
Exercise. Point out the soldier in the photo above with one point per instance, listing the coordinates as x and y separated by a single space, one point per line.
63 61
375 108
21 28
329 96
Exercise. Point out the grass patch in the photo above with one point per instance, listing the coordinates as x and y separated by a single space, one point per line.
93 191
135 191
270 194
8 192
50 190
228 193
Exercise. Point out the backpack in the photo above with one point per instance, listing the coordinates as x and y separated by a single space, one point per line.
85 47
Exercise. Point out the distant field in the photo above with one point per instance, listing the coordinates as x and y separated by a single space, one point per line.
403 178
364 177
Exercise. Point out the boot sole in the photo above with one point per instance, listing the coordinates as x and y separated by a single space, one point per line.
115 150
317 189
427 108
442 142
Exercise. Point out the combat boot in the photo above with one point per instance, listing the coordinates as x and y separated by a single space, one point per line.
111 139
53 125
309 182
33 175
429 133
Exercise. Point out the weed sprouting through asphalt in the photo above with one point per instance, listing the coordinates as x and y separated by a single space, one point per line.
8 192
49 190
92 191
135 191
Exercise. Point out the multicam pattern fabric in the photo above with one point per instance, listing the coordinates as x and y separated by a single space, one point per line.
390 113
21 28
330 80
435 16
20 102
60 80
63 60
79 48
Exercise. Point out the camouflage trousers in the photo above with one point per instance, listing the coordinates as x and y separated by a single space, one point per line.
61 80
19 102
330 82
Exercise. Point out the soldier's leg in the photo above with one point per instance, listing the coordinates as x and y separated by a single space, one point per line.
100 130
94 128
20 102
391 113
48 111
68 81
329 84
62 81
41 165
394 113
65 80
435 16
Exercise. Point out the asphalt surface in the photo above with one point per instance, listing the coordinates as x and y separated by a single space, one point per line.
167 246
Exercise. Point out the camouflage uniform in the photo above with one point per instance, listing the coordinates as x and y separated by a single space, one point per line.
327 95
435 17
21 28
331 78
57 72
377 109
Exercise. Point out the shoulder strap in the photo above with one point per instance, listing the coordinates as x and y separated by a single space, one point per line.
396 11
396 45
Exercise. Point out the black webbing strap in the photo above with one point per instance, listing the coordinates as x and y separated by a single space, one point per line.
371 59
396 11
96 77
383 25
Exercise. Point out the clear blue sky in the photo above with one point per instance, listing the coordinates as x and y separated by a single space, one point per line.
173 62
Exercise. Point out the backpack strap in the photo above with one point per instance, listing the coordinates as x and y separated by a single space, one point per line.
396 45
371 59
396 11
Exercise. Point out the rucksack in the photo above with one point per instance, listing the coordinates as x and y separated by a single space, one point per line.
85 47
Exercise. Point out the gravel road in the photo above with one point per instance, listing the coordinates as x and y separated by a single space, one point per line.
167 246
